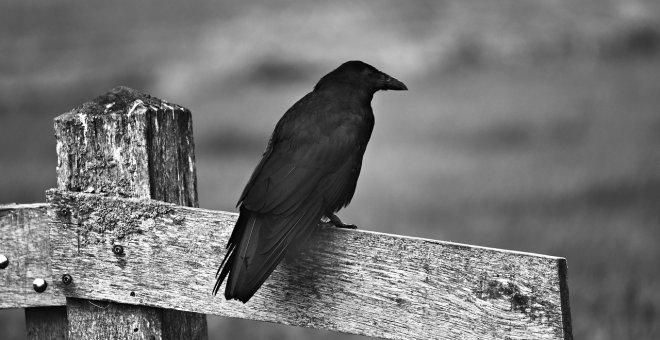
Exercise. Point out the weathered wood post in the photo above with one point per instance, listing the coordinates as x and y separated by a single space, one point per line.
128 144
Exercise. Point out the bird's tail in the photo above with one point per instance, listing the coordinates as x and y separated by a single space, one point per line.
257 244
241 249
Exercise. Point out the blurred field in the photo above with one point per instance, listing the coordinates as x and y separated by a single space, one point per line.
532 126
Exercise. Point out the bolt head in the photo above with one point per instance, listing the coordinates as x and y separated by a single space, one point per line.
39 285
118 249
67 279
64 212
4 261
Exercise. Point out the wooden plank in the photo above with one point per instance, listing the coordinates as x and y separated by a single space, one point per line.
24 241
129 144
359 282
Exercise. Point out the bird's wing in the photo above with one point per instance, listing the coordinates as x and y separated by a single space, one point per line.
261 245
260 240
306 147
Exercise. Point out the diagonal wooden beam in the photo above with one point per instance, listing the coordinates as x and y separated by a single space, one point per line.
360 282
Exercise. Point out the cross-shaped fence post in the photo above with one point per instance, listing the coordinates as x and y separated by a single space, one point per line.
121 266
128 144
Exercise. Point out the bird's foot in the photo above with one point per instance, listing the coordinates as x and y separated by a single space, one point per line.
334 221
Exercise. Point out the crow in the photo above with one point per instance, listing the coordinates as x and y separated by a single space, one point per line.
308 172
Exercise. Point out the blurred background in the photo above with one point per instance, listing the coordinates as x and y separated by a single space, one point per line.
529 125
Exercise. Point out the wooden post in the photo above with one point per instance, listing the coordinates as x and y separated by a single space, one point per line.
46 323
128 144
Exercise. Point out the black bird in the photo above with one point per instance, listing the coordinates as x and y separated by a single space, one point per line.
308 171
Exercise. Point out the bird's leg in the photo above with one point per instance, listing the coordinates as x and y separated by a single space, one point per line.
336 222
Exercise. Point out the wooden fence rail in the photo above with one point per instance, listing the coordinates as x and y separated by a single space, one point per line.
113 252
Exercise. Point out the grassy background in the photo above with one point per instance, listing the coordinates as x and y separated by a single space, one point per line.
532 126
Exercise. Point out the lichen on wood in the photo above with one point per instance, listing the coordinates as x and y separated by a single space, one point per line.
127 144
99 221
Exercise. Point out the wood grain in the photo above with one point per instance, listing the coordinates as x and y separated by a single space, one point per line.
25 242
129 144
359 282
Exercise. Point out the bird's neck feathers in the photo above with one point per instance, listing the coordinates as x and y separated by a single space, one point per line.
346 91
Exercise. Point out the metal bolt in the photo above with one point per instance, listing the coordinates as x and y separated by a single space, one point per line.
67 279
64 212
118 249
39 285
4 261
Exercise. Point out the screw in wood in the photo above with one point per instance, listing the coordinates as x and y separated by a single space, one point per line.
64 213
39 285
118 249
4 261
67 279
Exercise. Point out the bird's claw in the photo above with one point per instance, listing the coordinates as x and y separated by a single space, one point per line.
334 221
346 226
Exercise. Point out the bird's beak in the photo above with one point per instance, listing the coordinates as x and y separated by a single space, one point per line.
390 83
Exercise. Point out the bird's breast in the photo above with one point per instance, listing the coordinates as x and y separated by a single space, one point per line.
349 125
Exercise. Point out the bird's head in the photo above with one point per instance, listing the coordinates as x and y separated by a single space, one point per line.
359 75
